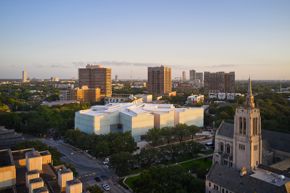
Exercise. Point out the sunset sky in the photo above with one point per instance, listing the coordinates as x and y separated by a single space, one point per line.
55 37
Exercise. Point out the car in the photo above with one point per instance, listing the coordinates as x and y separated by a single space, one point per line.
106 161
72 153
98 179
106 187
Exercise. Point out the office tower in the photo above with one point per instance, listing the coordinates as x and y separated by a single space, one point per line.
116 78
183 76
24 76
192 75
199 76
96 76
219 82
159 80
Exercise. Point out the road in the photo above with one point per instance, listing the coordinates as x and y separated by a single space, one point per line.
87 166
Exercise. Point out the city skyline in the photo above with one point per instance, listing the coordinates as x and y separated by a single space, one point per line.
56 38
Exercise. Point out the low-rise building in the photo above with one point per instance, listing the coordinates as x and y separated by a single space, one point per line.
27 170
136 118
7 169
195 99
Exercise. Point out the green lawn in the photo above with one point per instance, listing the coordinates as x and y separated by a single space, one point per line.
129 181
200 163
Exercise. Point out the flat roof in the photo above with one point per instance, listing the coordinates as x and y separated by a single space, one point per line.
20 154
6 158
40 190
72 182
35 180
270 177
32 154
132 109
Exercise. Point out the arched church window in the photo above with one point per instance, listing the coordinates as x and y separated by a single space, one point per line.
241 125
255 122
221 146
228 148
244 126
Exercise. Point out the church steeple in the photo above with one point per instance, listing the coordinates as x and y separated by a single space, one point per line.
250 98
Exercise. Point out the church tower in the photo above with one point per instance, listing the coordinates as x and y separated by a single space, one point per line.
247 142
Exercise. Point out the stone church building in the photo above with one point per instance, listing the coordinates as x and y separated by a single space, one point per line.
238 160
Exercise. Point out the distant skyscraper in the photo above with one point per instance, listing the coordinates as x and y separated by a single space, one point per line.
183 76
24 76
192 75
159 80
116 78
219 82
95 76
199 76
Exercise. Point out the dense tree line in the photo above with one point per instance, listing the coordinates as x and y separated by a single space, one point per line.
274 108
26 97
101 145
172 179
43 121
158 136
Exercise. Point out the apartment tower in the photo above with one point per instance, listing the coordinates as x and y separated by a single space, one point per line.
96 76
159 80
24 76
219 82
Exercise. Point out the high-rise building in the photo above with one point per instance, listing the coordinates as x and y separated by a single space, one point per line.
183 76
95 76
24 76
219 82
192 75
159 80
199 76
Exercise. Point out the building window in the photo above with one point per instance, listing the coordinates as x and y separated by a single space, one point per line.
225 162
228 149
209 184
215 187
242 147
255 126
255 147
241 125
245 126
221 147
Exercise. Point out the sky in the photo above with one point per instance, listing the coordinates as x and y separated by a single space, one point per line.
56 37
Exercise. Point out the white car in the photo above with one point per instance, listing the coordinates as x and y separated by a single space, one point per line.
106 187
106 161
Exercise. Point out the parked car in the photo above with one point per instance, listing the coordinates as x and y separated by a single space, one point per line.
106 187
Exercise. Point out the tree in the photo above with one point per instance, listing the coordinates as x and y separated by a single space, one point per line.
4 108
147 157
192 129
95 189
180 131
172 179
122 162
167 133
154 136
